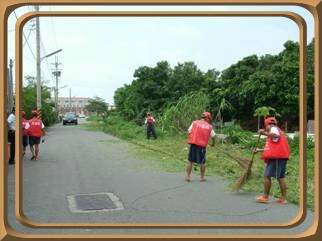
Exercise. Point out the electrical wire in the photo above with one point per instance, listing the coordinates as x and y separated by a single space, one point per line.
26 38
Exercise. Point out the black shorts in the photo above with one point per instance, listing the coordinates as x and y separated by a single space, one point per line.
25 141
275 168
197 154
34 140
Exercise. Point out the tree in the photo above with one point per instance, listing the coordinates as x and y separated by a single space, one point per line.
264 111
29 91
97 105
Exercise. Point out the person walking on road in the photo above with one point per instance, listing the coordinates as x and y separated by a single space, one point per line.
36 132
150 126
11 135
275 154
25 139
199 133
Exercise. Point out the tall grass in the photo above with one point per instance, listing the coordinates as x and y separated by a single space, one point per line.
178 117
169 153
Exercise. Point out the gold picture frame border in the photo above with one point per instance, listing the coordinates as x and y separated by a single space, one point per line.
6 8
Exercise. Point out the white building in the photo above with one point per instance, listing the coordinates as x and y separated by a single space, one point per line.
72 104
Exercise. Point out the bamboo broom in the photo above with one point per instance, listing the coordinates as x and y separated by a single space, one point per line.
242 180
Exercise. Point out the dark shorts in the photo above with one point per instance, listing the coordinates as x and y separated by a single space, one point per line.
34 140
197 154
25 141
275 168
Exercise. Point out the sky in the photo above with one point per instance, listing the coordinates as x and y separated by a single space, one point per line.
101 54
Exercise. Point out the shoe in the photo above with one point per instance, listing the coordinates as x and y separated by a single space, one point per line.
281 201
262 199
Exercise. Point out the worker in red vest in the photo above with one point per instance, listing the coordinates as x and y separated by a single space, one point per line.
199 133
25 127
150 126
36 132
275 154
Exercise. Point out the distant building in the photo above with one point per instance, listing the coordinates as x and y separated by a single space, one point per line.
73 104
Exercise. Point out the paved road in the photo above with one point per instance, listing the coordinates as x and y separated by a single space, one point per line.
74 162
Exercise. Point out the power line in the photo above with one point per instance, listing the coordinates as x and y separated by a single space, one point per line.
26 38
54 29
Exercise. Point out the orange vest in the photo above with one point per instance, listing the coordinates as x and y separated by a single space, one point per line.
24 123
200 133
35 127
276 150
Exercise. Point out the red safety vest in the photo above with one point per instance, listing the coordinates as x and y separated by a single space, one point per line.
150 121
24 123
35 127
276 150
200 133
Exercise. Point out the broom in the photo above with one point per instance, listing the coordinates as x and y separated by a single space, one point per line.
243 162
242 180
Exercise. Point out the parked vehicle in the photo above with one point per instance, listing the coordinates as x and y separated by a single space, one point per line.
70 118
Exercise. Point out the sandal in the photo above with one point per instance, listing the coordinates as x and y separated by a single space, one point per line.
32 158
262 199
187 179
281 201
202 179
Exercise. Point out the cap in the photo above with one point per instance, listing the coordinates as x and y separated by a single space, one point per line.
34 113
270 120
206 115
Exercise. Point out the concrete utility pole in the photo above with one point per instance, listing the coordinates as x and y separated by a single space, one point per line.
70 99
57 74
38 61
10 86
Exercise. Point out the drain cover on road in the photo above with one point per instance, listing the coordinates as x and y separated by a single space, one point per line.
95 202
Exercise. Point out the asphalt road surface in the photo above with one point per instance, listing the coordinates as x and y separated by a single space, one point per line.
91 177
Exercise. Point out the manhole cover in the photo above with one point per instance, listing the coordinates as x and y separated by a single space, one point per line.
95 202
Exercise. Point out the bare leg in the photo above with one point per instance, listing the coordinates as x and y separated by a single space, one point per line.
36 151
23 151
32 152
188 170
282 184
267 186
202 172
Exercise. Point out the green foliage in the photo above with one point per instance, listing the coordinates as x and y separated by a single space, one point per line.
237 92
29 100
156 88
236 135
96 105
177 118
169 154
265 111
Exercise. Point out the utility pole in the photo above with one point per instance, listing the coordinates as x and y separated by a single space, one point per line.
70 99
10 87
38 61
56 73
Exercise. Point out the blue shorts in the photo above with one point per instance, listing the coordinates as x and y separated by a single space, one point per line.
25 141
197 154
34 140
275 168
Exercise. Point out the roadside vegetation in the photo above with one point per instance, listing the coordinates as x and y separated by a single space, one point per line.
169 153
242 95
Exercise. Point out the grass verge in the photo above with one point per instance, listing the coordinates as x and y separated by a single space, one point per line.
169 153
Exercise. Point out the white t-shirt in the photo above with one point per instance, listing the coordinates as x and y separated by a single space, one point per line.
274 130
11 121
